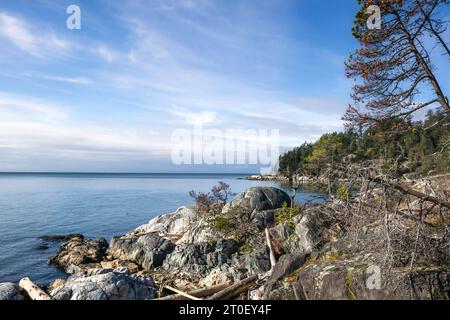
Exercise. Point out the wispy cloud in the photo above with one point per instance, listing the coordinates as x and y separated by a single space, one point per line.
196 118
29 39
116 90
70 80
106 53
27 107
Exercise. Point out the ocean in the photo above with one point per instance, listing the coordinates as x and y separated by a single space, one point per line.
95 205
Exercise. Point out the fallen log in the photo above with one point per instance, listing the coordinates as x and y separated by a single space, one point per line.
273 260
32 290
182 293
405 189
200 293
234 290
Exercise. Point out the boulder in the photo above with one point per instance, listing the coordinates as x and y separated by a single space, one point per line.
352 278
199 231
184 223
200 258
148 250
79 251
109 285
264 219
258 199
177 222
10 291
309 232
257 261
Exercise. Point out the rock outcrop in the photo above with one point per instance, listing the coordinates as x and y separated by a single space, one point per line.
259 199
10 291
79 251
148 250
177 222
351 278
106 285
199 259
316 257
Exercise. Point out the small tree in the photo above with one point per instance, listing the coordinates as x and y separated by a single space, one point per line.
214 201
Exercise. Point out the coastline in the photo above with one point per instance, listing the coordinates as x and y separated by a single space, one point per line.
191 252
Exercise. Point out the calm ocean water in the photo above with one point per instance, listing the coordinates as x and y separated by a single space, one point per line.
96 205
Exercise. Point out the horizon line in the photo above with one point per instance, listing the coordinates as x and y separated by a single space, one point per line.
95 172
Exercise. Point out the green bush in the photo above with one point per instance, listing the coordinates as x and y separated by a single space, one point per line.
233 224
342 193
286 214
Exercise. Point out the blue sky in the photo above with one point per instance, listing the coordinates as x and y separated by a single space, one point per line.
108 97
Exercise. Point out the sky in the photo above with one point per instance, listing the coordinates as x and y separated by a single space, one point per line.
108 97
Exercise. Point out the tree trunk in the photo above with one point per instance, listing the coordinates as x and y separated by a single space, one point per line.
200 293
234 290
32 290
405 189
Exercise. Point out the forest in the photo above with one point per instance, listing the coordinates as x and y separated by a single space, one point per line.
417 147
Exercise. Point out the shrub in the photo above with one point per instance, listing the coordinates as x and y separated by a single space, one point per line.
286 214
214 201
233 224
342 193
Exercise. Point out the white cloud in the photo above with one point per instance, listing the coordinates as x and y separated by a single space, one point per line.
31 39
106 53
72 80
196 118
31 127
28 107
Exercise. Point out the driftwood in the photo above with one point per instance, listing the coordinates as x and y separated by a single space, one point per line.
182 293
200 293
273 261
405 189
32 290
234 290
287 264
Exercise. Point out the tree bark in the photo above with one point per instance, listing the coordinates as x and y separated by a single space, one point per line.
32 290
405 189
200 293
234 290
273 260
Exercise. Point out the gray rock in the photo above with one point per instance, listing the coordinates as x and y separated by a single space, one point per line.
148 251
258 199
177 222
347 278
79 252
200 258
264 219
309 233
255 262
113 285
9 291
285 266
185 222
199 231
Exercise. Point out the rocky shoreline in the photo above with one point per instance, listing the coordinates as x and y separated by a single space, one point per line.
274 178
304 257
